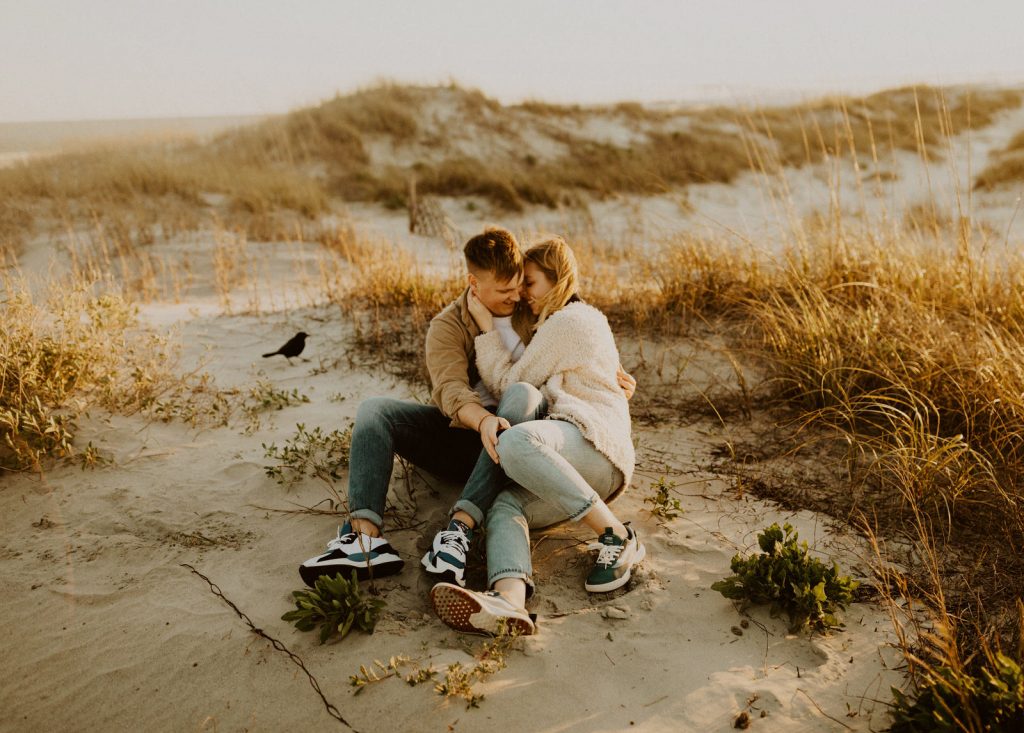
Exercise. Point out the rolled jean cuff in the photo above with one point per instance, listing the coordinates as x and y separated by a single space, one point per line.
582 511
512 573
369 515
464 505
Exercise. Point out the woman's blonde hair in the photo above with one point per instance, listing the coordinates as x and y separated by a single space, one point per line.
555 259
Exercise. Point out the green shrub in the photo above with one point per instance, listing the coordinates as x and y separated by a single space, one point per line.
335 605
264 397
309 453
951 700
663 504
788 578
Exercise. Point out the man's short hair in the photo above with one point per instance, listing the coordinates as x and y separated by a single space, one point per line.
496 251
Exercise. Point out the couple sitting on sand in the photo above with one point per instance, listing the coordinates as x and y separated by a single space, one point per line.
539 384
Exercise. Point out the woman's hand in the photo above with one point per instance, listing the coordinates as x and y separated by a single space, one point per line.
482 316
626 381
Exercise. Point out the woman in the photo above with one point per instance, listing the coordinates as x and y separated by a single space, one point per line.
565 466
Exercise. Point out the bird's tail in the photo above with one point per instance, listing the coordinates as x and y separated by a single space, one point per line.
272 353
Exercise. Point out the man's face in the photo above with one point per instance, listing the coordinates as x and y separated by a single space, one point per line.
498 296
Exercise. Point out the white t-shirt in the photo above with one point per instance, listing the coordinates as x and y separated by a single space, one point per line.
515 347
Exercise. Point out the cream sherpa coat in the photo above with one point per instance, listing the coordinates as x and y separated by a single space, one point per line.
573 360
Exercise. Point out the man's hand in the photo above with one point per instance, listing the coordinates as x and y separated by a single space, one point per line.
482 316
489 428
626 381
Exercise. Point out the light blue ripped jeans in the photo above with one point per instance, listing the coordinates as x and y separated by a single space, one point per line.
560 476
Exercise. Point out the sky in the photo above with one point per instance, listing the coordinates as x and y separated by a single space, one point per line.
103 59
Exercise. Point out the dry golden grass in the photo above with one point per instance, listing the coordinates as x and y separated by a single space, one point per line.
905 340
389 297
255 179
72 348
1006 166
916 119
1007 169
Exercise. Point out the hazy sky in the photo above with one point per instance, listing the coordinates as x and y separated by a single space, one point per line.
113 58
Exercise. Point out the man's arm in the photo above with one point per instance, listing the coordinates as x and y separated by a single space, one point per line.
627 381
448 367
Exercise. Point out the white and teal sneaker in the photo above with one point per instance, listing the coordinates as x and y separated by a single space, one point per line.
370 557
447 556
615 560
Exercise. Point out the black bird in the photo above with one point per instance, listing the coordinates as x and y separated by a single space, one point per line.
293 347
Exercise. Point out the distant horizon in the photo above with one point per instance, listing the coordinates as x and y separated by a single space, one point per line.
716 94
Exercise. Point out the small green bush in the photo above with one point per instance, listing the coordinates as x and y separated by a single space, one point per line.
265 397
335 605
951 700
663 504
788 578
309 453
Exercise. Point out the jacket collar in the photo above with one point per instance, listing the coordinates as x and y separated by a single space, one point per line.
466 316
522 318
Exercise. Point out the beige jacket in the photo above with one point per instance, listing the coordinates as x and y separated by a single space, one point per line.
451 354
573 360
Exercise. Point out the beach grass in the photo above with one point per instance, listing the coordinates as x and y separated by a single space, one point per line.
902 343
307 161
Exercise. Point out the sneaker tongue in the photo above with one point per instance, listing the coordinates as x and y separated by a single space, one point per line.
460 526
609 538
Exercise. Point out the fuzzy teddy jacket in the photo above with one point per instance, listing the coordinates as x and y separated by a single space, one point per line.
573 360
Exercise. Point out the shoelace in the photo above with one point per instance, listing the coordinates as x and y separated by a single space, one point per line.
344 539
609 553
453 539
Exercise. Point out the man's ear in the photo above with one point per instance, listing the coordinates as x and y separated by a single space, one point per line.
472 281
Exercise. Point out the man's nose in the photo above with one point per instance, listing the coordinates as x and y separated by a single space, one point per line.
516 296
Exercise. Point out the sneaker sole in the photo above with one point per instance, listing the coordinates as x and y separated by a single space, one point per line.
641 553
462 611
310 573
446 575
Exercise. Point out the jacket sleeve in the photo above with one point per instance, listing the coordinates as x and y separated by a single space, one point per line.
561 344
448 367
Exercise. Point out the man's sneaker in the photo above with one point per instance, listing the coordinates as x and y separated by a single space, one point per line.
447 556
369 556
470 612
615 561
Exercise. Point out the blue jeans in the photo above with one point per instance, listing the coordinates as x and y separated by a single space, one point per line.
422 435
560 476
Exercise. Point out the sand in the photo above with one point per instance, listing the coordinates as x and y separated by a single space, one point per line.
106 630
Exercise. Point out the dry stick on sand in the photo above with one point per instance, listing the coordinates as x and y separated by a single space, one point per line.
331 710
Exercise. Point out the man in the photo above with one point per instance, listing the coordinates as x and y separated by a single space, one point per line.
444 437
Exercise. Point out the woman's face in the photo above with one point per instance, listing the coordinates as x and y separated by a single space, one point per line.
535 286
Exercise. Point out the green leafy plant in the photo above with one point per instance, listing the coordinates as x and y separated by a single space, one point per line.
950 700
663 504
787 577
309 453
335 605
90 457
263 397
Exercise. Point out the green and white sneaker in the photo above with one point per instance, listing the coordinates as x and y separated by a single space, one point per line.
615 560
